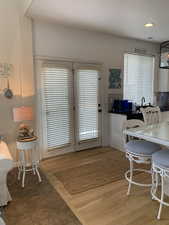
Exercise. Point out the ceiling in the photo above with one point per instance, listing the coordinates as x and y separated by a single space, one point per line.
120 17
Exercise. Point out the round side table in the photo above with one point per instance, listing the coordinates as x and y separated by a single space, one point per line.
27 160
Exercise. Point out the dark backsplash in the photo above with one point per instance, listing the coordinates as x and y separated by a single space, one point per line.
163 100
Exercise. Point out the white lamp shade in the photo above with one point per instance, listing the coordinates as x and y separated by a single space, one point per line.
22 113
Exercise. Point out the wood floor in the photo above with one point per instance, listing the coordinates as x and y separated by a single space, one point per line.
108 204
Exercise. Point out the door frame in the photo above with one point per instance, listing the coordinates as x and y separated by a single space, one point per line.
91 143
38 60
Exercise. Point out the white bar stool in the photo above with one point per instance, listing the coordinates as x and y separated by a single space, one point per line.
138 151
27 159
160 169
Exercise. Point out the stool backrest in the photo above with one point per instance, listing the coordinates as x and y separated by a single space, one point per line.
128 124
151 115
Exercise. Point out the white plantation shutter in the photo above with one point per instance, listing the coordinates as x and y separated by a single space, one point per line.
138 78
87 103
56 82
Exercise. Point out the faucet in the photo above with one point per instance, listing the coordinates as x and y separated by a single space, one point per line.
142 101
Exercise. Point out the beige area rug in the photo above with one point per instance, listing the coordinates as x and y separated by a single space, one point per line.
101 172
36 204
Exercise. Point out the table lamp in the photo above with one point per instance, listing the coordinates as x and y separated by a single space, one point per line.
20 114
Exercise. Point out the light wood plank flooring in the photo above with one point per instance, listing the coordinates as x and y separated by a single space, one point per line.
108 204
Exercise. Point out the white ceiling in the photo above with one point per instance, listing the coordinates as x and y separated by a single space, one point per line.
120 17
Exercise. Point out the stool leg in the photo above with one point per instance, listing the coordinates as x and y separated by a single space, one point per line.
34 171
23 168
19 170
131 176
154 182
33 163
23 178
19 173
39 177
20 164
162 197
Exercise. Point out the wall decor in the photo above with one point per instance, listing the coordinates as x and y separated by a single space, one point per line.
164 55
5 69
7 91
115 78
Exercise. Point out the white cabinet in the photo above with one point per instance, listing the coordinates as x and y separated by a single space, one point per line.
163 80
116 122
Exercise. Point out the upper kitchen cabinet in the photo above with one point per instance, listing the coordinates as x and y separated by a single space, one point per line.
163 80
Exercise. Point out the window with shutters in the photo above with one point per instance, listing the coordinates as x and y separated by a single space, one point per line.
138 78
57 102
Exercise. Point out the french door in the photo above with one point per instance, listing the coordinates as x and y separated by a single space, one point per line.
87 106
70 107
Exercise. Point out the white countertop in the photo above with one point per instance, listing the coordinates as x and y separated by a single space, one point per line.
157 133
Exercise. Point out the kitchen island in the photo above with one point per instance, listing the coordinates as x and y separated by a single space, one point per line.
116 121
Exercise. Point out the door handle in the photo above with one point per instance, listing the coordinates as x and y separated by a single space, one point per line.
99 108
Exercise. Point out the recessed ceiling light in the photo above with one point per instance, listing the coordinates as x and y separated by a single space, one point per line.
149 25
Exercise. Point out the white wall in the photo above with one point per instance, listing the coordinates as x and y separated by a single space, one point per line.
15 48
59 41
